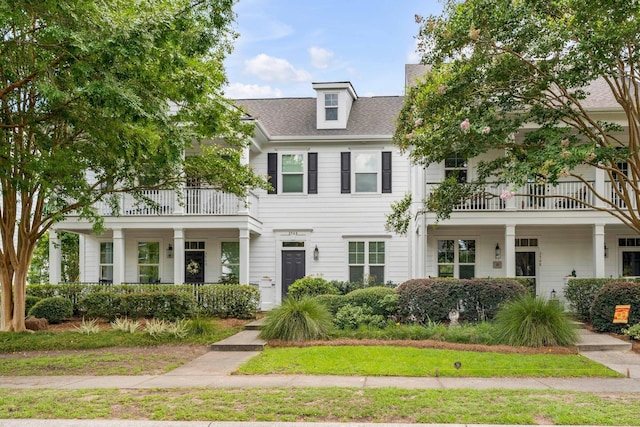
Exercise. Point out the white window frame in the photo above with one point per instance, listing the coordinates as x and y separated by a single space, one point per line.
367 253
456 263
229 265
157 265
108 265
451 169
282 173
330 104
377 155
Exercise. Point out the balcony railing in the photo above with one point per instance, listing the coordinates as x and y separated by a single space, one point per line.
533 197
189 201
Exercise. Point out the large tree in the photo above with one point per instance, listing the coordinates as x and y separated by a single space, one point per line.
511 78
101 97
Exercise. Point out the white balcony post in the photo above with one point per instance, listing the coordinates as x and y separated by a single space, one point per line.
598 251
178 256
118 256
600 187
245 261
178 209
55 258
510 250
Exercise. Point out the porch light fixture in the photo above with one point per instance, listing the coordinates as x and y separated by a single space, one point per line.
553 294
316 253
606 251
169 251
498 251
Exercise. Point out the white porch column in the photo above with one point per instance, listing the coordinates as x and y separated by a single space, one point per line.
245 261
55 257
178 256
118 256
510 250
598 251
82 247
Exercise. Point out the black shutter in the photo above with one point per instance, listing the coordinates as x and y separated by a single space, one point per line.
386 171
312 173
345 172
272 171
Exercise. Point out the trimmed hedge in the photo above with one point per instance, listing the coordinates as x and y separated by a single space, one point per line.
169 305
239 301
581 293
431 300
55 309
333 303
605 301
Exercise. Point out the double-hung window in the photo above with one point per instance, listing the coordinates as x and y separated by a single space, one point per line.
365 174
148 262
456 166
331 106
293 173
457 258
230 260
366 260
106 262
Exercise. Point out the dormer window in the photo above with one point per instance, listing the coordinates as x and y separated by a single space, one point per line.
331 106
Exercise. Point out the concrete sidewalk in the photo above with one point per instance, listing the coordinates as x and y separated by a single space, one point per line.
214 369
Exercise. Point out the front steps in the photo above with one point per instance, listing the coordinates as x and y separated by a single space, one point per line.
246 340
591 341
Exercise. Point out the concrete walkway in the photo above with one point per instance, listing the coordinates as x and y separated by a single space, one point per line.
214 369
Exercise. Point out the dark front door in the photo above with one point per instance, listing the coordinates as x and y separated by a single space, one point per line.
292 268
194 266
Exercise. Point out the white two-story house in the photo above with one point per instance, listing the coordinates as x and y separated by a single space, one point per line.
335 172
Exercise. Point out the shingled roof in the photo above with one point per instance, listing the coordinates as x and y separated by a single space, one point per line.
297 116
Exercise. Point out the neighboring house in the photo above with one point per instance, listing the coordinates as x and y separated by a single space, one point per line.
335 173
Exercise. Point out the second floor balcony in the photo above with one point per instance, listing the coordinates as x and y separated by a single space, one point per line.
188 201
568 195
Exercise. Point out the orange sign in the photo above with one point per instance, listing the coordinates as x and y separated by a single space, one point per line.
621 315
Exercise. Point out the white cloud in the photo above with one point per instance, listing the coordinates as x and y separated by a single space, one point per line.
413 56
320 58
271 69
249 91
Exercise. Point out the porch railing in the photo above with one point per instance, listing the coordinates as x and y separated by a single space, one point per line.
189 201
535 197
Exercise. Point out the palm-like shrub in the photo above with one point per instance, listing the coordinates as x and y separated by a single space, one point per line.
297 320
534 322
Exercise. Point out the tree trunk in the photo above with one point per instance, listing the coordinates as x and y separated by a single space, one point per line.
7 303
19 293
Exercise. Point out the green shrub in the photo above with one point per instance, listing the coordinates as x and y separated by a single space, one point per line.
105 305
374 298
344 288
201 326
425 300
353 316
297 320
633 332
74 292
581 293
310 287
534 322
332 302
55 309
29 302
238 301
605 301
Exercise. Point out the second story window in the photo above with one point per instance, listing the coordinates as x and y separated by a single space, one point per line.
331 106
366 172
292 173
456 165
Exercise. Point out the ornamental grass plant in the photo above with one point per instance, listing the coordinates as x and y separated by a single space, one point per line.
534 322
297 320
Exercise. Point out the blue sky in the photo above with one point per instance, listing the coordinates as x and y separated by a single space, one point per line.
284 45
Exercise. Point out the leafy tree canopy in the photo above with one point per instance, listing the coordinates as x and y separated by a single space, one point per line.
511 78
107 96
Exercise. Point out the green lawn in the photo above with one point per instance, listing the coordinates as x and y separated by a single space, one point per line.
414 362
329 405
